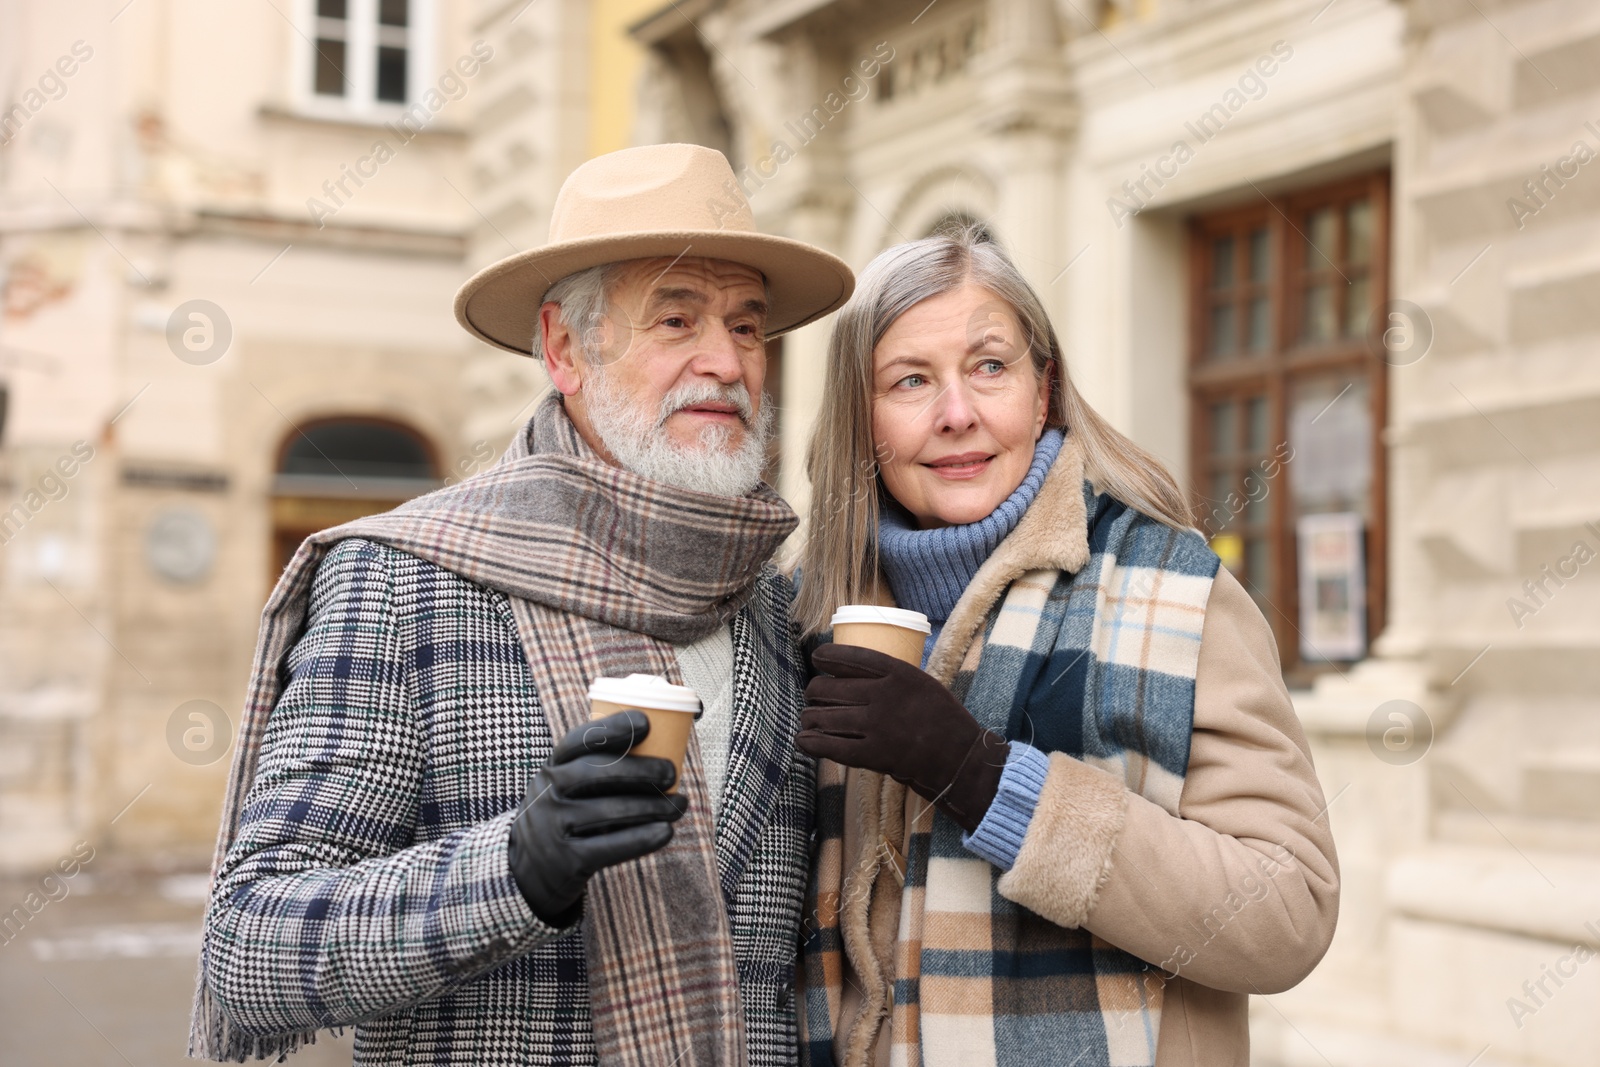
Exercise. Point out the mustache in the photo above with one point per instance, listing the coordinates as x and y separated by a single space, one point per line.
689 395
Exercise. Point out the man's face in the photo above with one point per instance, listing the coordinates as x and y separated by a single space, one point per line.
673 373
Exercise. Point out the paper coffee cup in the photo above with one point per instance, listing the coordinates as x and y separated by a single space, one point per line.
670 708
893 631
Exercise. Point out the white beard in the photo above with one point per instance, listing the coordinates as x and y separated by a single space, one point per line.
640 442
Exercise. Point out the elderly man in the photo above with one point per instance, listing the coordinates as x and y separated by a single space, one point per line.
423 835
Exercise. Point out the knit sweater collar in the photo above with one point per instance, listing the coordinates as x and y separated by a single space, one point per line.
927 570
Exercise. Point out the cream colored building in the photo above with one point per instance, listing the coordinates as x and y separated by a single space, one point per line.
1331 257
302 170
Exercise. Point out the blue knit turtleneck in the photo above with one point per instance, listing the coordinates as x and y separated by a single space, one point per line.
927 570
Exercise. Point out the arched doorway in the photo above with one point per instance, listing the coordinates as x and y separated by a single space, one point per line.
337 469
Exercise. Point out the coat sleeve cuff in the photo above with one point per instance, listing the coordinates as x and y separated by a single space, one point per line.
488 921
999 835
1067 851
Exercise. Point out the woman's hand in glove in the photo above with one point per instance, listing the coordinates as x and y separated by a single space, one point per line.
885 715
591 806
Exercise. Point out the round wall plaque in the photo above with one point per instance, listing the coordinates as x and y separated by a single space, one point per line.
181 545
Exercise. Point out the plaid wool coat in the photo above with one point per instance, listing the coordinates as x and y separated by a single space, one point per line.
369 882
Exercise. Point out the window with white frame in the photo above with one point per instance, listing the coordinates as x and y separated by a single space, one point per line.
362 56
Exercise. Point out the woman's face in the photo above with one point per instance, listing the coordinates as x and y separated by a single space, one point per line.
956 407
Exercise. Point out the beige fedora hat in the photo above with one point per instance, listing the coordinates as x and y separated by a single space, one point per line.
658 200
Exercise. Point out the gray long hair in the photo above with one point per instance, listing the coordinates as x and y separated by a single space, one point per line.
839 556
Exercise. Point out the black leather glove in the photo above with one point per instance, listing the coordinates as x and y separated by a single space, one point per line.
591 806
885 715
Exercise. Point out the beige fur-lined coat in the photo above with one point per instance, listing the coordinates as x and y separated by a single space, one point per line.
1237 895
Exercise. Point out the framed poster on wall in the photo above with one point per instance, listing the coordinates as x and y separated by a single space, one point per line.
1333 583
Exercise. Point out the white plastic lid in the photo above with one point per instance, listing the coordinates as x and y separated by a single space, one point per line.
909 620
644 691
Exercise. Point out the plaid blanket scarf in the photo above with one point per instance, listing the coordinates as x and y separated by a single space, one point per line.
605 571
1097 662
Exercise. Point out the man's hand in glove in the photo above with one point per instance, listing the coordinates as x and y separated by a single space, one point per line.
591 806
885 715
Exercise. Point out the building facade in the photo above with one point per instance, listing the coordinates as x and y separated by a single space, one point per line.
229 239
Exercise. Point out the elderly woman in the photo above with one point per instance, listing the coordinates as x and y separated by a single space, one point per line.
1089 828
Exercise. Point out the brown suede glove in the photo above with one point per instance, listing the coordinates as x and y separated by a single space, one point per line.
884 715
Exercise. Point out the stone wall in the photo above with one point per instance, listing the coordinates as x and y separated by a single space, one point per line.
1479 870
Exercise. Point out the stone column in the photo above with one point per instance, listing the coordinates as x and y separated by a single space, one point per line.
1028 115
820 221
530 127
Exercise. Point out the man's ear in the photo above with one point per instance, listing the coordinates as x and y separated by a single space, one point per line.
562 357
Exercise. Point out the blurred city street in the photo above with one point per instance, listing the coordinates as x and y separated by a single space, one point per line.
105 976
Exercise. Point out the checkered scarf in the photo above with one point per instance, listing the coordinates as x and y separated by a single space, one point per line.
1099 664
605 571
